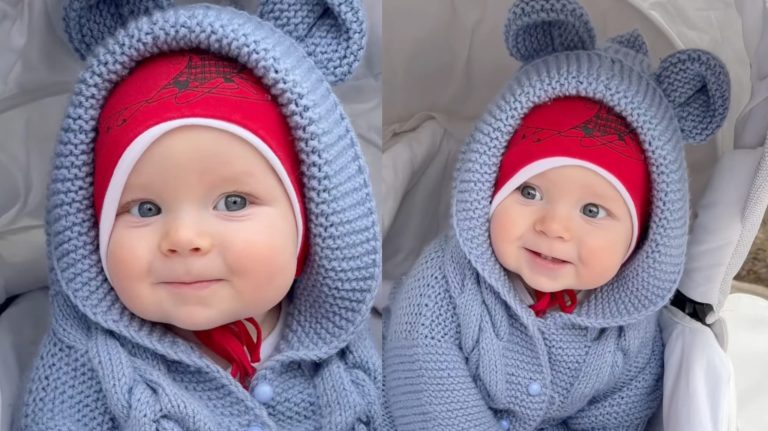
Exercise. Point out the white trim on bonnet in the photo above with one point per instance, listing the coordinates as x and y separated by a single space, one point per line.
134 151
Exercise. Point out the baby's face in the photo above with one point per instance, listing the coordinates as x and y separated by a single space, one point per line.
565 228
205 233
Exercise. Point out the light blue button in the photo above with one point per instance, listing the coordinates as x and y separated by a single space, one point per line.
255 428
534 389
263 392
504 424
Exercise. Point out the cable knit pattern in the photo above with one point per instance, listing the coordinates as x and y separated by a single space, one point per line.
462 349
101 367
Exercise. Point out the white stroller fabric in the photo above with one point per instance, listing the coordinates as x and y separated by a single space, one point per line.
38 70
729 214
747 316
447 61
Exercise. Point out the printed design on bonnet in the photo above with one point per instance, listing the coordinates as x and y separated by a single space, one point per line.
201 76
603 129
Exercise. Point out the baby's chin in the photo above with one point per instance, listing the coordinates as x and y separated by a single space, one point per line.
197 326
552 286
193 321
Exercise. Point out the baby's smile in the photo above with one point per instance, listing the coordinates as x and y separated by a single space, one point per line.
200 284
549 259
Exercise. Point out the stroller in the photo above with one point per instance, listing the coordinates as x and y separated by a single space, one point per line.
411 145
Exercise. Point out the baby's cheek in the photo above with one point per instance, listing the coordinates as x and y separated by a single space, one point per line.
127 262
600 261
497 244
262 253
124 255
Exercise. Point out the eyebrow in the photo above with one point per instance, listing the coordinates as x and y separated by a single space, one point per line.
593 196
236 175
603 197
239 178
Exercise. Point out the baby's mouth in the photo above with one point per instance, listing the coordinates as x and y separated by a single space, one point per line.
191 284
546 257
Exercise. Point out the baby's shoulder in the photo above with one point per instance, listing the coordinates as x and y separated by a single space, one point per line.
422 300
431 278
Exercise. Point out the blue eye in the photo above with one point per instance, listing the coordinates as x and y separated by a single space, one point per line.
231 203
593 211
530 192
145 209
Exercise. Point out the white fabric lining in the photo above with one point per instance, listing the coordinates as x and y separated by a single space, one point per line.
754 211
729 216
698 377
269 344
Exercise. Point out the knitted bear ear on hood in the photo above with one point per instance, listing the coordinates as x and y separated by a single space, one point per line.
695 82
332 32
536 29
632 40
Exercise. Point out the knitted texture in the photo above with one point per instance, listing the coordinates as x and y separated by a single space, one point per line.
331 32
89 22
314 24
456 357
461 345
101 367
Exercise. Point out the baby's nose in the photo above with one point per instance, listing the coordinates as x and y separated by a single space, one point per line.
183 238
553 224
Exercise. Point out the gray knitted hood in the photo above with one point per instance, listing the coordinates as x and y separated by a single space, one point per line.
297 49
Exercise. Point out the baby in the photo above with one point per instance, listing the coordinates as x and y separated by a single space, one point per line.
538 310
212 236
571 201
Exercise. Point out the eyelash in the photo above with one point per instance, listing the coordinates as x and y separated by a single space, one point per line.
536 189
239 192
520 188
126 207
252 200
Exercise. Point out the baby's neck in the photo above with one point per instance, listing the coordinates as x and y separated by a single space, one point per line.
531 291
267 323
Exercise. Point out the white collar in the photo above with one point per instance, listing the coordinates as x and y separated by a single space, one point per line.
269 344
